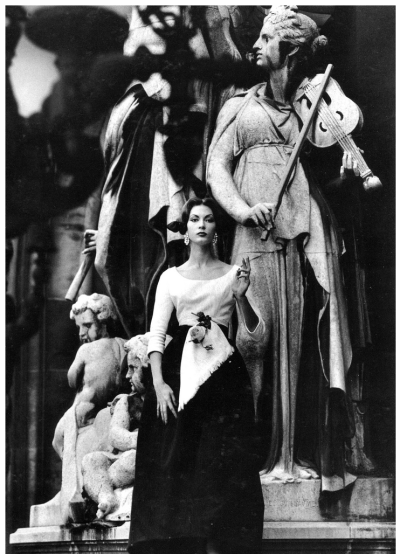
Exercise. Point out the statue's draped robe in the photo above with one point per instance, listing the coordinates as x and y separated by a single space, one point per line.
144 191
297 282
131 248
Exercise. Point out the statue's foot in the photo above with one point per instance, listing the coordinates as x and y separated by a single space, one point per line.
307 473
107 504
292 474
361 464
278 474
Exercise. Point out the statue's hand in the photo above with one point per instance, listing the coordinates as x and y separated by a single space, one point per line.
90 241
242 281
349 168
260 215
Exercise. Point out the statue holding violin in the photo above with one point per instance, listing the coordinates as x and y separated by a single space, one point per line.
259 175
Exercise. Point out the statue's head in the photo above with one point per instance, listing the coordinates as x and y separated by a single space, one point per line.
94 316
138 360
287 36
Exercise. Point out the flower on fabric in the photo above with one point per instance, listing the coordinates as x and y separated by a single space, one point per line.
197 333
204 320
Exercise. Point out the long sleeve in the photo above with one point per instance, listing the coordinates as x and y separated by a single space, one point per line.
163 308
259 332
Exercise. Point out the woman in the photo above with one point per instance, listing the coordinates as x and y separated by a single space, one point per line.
296 281
197 483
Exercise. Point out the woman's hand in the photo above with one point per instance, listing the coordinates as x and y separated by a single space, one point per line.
242 281
260 215
90 241
349 168
239 289
165 400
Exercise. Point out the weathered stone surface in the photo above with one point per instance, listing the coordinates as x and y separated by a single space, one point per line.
288 537
368 499
341 530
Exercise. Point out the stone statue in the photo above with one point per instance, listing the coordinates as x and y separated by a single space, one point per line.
96 374
104 471
108 474
96 370
303 361
155 146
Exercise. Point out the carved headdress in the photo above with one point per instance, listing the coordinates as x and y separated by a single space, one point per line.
294 27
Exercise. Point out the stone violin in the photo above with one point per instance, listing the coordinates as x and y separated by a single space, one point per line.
336 118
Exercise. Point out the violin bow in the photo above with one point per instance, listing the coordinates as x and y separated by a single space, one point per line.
299 144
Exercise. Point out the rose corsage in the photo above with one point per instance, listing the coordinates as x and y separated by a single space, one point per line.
198 332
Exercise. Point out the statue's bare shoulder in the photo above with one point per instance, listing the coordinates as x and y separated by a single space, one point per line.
102 347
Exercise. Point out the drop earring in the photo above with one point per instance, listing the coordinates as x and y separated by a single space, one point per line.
186 239
215 239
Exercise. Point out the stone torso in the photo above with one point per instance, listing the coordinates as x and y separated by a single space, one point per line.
264 137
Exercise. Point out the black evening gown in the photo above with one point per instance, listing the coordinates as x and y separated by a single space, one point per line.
197 476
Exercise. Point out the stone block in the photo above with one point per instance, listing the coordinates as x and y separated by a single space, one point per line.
368 499
48 514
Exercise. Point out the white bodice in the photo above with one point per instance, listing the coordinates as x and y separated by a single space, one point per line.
213 297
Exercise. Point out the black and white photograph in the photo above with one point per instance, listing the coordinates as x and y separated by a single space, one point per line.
200 279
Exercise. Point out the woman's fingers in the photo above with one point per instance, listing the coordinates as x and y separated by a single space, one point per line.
244 270
172 403
172 408
162 411
168 401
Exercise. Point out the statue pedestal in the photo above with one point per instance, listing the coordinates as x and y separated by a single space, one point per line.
298 519
368 499
279 537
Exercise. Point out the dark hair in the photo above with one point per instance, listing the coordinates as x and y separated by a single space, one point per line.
195 201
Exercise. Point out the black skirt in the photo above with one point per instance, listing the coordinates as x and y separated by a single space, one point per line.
197 476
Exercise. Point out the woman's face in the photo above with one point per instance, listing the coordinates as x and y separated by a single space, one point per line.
266 48
201 225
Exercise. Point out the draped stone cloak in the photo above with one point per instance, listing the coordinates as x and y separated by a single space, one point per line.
263 134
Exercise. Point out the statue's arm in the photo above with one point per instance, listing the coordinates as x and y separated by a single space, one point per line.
75 372
120 437
220 175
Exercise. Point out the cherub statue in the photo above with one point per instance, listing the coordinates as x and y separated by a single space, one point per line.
96 374
96 370
105 471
